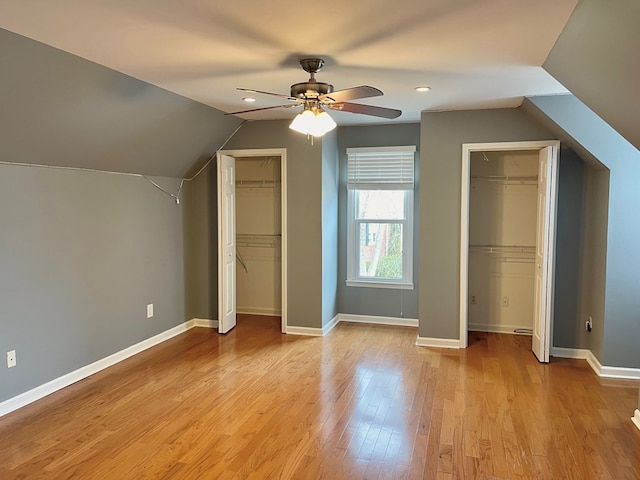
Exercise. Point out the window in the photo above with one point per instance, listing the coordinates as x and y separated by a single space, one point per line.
380 184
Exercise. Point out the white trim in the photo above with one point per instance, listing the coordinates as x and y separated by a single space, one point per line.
467 148
396 321
379 284
59 383
347 317
550 255
621 373
594 363
509 329
624 373
331 325
306 331
577 353
438 342
636 419
611 372
618 372
270 312
465 187
203 323
282 153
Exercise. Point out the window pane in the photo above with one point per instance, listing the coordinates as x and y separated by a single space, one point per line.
380 246
380 204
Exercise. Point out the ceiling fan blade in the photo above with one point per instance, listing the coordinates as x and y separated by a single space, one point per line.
382 112
251 90
363 91
289 105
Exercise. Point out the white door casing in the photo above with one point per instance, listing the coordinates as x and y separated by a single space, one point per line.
543 308
224 288
226 243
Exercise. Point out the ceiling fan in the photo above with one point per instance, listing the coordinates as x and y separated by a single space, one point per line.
314 96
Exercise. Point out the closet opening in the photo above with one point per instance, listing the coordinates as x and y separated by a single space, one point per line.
251 235
258 236
507 240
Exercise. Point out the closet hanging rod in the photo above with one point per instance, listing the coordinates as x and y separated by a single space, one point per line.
259 235
258 239
502 249
257 183
505 178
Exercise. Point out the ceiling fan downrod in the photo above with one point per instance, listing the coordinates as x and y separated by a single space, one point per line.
312 88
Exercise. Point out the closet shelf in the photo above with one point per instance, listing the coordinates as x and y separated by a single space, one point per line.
257 183
503 249
507 178
506 253
258 239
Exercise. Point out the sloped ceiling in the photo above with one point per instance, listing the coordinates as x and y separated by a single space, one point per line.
597 58
61 110
473 53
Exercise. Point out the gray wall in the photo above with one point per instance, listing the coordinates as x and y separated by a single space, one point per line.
441 138
200 236
596 58
81 255
304 209
571 118
568 330
376 301
59 109
329 227
594 259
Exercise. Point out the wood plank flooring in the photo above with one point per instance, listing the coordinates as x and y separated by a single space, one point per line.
362 403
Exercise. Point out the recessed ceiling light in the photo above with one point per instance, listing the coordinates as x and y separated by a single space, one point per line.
423 88
249 99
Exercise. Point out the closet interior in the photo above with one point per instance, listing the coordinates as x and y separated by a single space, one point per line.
502 240
258 236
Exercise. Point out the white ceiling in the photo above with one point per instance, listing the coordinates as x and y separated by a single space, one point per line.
473 53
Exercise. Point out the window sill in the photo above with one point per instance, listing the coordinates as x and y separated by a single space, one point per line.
379 284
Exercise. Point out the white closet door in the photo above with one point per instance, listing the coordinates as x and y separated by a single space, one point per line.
226 243
544 239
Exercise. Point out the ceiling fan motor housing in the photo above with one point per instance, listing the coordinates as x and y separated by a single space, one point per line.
310 89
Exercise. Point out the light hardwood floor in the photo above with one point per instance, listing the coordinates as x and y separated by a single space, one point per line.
362 403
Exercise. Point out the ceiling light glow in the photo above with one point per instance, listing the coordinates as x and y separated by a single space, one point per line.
249 99
423 88
314 122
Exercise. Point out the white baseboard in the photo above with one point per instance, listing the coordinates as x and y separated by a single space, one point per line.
347 317
271 312
613 372
437 342
306 331
594 363
480 327
331 325
59 383
577 353
202 322
395 321
636 419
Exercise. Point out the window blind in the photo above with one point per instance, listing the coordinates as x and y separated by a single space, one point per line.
380 168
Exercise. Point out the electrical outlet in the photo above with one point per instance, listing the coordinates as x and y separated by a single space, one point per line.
588 325
505 301
150 310
473 300
11 359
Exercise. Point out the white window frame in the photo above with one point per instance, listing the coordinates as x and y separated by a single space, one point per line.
353 227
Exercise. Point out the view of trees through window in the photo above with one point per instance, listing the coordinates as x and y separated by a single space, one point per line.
380 215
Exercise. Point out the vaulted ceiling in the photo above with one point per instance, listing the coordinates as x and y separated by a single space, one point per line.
472 53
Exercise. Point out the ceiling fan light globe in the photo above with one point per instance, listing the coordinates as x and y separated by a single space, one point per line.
323 123
303 122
